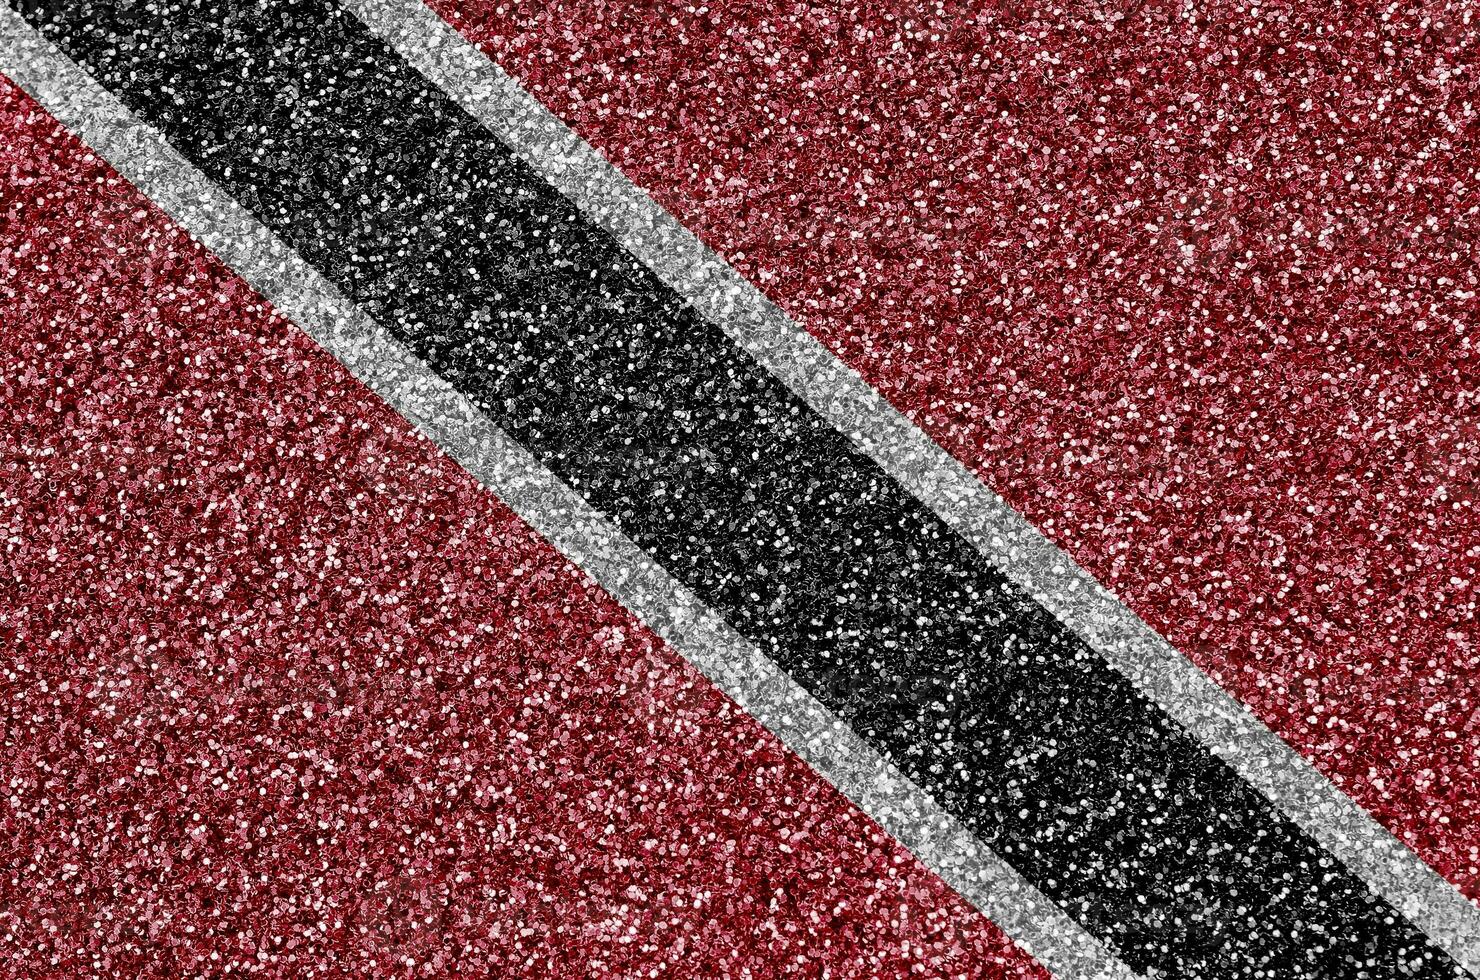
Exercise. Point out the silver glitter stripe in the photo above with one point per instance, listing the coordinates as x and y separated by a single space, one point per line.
443 415
939 480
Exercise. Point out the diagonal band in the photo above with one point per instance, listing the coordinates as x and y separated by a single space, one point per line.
1178 687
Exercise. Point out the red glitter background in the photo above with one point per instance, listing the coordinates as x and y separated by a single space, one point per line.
286 691
1192 287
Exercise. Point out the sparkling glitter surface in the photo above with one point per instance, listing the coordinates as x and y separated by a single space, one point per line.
426 555
1193 287
285 692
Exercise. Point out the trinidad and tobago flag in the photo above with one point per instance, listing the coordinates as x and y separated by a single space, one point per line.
618 488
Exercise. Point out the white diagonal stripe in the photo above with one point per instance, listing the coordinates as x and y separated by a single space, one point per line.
438 411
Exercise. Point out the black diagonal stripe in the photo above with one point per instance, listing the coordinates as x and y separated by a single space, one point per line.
739 489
